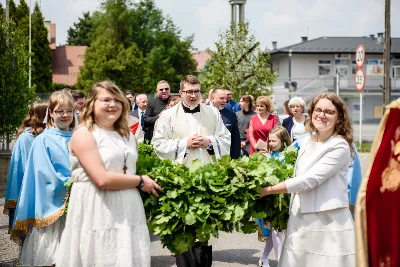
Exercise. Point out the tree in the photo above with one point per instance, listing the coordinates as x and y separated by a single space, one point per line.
41 58
21 17
81 32
15 96
238 63
151 41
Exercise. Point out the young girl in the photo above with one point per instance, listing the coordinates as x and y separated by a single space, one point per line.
30 127
41 201
278 139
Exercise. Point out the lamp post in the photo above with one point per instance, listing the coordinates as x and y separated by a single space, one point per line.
290 73
30 44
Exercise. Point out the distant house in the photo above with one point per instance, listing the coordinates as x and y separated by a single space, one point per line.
66 59
201 58
316 63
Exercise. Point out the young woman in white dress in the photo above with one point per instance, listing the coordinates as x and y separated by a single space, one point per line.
320 230
106 223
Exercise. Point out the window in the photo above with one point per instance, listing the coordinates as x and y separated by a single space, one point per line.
396 72
324 67
354 68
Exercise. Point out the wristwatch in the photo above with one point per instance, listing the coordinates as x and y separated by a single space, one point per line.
141 183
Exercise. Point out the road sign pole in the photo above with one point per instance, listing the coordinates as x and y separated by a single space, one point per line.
361 116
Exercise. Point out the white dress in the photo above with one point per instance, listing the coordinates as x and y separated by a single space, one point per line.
105 227
318 239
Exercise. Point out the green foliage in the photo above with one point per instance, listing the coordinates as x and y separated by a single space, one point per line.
81 32
41 58
238 63
364 147
15 96
60 86
200 201
144 45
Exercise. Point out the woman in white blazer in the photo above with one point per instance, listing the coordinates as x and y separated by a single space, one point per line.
320 229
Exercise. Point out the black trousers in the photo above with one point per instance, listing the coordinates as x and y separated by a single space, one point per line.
197 256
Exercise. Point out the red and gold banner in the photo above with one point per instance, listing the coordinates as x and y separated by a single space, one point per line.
378 213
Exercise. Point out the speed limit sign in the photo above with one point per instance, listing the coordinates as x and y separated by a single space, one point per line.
360 79
360 55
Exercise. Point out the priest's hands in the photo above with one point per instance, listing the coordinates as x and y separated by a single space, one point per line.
150 186
197 141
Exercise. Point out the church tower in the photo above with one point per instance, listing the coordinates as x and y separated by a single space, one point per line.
235 5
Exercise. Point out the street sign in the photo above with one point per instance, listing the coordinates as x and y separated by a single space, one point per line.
360 55
359 79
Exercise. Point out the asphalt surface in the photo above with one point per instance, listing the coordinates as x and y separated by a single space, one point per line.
233 250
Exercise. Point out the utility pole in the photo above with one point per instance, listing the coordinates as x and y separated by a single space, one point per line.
387 95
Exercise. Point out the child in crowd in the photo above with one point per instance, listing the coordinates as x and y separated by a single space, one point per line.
278 139
30 127
41 202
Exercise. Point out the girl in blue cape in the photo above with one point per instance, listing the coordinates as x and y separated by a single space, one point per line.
278 139
41 201
30 127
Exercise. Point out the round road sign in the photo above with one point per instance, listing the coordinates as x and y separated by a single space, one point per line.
359 79
360 55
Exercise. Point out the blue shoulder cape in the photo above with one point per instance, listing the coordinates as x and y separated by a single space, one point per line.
18 161
42 197
354 175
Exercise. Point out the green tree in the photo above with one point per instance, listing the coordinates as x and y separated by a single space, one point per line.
21 17
151 39
41 58
15 96
238 63
81 32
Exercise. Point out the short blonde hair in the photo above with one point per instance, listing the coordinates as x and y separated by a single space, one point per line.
265 100
60 98
88 119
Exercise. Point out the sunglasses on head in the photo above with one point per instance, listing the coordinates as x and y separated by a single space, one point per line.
163 89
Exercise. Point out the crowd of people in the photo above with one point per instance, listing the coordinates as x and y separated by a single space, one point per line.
93 140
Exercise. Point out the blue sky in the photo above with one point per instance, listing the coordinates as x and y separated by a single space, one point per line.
284 21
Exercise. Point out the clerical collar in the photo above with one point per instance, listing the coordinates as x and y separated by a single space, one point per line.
188 109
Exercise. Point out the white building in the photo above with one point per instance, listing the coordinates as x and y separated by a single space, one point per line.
316 63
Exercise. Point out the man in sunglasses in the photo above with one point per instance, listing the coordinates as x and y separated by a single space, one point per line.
155 108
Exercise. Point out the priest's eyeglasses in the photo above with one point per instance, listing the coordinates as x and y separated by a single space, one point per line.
107 101
61 112
190 92
327 112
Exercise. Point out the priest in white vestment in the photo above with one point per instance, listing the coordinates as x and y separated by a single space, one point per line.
191 130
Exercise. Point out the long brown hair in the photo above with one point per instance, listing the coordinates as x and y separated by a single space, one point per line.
343 125
58 98
34 119
249 99
282 134
87 117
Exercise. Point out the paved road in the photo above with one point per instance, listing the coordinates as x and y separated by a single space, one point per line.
233 250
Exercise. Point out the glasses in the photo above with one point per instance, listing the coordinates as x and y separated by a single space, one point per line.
163 89
61 112
190 92
327 112
107 100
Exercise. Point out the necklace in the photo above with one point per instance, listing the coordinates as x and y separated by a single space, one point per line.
123 150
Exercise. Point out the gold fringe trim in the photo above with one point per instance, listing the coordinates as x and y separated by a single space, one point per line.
21 227
11 204
352 208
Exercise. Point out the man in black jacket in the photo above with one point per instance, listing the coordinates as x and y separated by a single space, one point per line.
218 100
154 109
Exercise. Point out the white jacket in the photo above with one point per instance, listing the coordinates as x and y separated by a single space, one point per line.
324 186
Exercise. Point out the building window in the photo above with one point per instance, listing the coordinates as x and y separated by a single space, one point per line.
396 72
354 68
324 67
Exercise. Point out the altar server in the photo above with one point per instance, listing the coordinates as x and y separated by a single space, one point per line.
191 130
